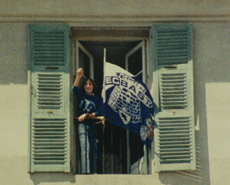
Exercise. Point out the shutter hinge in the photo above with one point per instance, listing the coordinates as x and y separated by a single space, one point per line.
74 45
33 92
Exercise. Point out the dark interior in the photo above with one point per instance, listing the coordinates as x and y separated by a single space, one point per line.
113 139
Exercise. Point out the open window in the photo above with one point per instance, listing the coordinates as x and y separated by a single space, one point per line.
137 57
135 63
120 151
84 60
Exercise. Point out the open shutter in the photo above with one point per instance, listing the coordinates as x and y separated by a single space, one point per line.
173 95
50 117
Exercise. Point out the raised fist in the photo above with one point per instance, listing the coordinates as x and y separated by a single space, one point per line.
80 72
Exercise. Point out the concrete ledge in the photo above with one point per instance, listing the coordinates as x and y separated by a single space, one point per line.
115 19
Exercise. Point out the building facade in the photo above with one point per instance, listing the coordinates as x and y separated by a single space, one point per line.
172 46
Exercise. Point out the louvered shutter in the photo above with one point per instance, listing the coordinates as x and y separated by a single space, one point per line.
173 95
49 127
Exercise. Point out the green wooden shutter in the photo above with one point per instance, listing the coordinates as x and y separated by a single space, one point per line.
173 95
50 117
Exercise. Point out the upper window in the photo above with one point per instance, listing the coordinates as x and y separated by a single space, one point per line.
120 151
169 53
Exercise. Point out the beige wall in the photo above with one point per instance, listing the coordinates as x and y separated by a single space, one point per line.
211 30
212 105
119 10
14 90
114 8
212 82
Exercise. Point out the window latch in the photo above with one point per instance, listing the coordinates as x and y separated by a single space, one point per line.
170 67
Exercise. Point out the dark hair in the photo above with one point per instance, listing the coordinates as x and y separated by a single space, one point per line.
84 82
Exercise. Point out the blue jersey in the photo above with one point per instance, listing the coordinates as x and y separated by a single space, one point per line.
86 103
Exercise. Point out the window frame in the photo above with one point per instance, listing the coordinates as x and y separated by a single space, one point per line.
136 35
151 78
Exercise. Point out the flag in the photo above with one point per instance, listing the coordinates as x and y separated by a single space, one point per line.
127 102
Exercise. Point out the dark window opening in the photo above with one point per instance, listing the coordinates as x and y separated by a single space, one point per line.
119 150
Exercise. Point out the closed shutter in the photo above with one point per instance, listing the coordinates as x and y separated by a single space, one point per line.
173 95
50 117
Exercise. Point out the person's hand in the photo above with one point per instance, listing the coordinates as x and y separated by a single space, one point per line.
80 72
82 117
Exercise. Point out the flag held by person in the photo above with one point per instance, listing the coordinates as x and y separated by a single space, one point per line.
127 102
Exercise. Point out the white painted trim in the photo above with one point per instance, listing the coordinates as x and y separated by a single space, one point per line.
79 45
133 50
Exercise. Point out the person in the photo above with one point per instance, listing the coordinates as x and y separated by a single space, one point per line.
88 108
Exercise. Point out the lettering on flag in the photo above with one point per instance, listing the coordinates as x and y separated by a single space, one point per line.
126 97
130 84
127 102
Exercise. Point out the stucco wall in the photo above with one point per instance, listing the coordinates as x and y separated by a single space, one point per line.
14 90
61 8
212 105
119 10
211 31
212 82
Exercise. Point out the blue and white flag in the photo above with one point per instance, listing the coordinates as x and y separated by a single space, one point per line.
127 102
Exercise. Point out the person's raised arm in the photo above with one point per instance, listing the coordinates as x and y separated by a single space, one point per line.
79 73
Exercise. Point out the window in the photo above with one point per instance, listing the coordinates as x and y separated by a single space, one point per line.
121 151
173 95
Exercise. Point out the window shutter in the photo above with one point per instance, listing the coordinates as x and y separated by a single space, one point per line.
173 95
50 117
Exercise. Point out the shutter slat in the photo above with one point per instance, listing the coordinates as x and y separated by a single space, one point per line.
178 151
174 127
166 156
48 121
174 144
173 84
45 128
49 147
50 151
185 134
50 84
49 49
178 141
172 47
50 129
51 125
175 138
37 143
